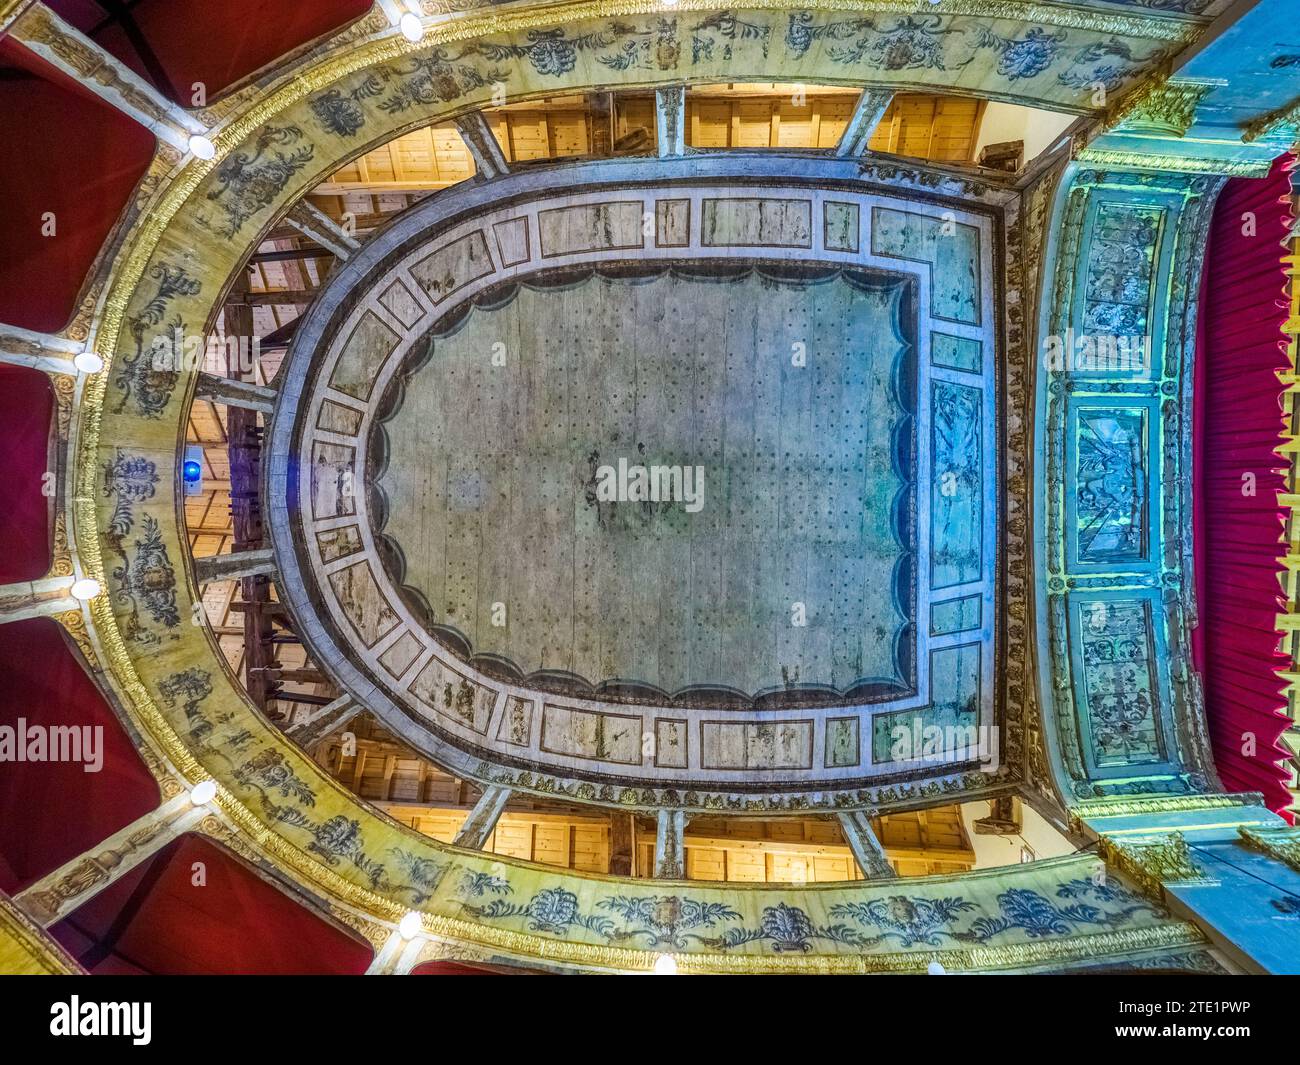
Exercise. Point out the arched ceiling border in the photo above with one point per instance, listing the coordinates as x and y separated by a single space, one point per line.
525 192
278 800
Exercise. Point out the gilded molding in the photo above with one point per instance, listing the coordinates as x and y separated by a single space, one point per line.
1288 622
373 932
74 623
1177 164
1126 262
1153 862
1162 804
10 10
1165 106
51 896
65 395
1282 844
38 26
61 557
1026 240
1284 121
972 959
26 949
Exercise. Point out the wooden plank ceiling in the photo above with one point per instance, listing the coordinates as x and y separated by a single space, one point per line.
377 766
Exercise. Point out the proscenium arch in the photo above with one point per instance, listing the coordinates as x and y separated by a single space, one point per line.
172 271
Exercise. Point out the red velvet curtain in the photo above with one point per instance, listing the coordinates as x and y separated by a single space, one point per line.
195 909
52 811
175 44
1238 522
69 164
26 413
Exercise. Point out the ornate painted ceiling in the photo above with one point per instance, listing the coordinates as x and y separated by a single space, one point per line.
881 517
483 596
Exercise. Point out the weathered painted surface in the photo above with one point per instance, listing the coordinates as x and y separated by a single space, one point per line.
493 479
841 476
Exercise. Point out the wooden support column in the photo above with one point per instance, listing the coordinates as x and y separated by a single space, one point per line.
483 147
79 880
866 848
245 449
233 393
670 846
38 351
236 565
299 697
622 845
870 109
287 297
36 599
295 676
670 121
99 72
482 820
1003 818
600 108
316 225
310 728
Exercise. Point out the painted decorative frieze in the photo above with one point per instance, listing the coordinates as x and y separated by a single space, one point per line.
1115 353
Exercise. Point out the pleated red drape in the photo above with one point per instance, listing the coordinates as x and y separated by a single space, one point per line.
1236 479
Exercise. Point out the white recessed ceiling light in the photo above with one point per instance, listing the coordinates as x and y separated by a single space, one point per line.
86 588
203 793
202 147
665 965
411 26
88 362
410 926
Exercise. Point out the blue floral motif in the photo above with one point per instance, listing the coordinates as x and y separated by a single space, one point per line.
911 43
800 33
1102 63
910 921
788 928
1022 908
730 29
666 919
479 884
248 182
917 921
436 77
423 873
550 53
553 54
1038 917
552 910
1031 55
677 921
1108 891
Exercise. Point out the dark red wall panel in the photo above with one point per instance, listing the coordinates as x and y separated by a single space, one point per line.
52 811
69 154
26 414
1238 525
175 43
156 919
